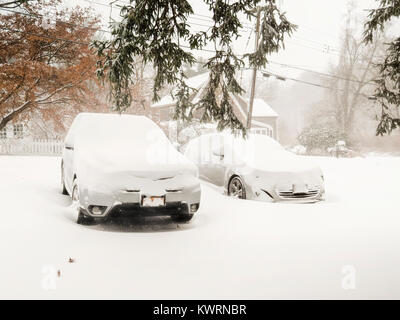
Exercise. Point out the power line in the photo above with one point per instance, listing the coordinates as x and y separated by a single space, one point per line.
284 78
330 49
107 31
187 47
326 48
317 72
207 50
76 25
199 24
102 4
194 16
295 67
327 45
269 73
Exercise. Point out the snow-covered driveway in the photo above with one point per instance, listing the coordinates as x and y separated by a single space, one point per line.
233 249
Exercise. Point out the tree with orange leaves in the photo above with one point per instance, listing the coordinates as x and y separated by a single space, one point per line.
46 66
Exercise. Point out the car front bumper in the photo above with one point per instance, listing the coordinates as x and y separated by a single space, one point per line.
276 196
288 190
126 202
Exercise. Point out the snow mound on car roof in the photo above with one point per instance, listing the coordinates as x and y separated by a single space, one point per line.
256 151
124 141
93 126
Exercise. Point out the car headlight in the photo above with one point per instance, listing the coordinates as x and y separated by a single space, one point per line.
97 210
194 207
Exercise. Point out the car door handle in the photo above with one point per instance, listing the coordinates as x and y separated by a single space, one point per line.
69 148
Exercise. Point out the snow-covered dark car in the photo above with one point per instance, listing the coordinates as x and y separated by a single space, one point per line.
256 168
123 165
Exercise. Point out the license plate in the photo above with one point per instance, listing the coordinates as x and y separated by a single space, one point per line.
300 188
152 201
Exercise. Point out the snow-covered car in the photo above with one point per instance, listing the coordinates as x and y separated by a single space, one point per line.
125 165
341 151
256 168
299 149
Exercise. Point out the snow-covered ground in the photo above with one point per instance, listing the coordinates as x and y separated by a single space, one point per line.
233 248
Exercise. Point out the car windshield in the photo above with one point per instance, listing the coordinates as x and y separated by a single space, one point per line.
256 146
123 141
115 131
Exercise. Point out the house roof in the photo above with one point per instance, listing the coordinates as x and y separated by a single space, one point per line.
263 109
199 82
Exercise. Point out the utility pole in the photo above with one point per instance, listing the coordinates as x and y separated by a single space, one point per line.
253 82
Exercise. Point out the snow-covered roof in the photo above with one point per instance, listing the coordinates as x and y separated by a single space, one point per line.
239 107
260 124
196 82
263 109
199 82
163 102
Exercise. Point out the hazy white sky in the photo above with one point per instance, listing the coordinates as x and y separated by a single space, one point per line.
314 45
319 30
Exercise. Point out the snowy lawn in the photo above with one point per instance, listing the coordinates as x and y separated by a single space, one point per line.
232 249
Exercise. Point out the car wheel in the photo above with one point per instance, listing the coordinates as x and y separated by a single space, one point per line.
182 218
236 188
63 189
183 215
82 217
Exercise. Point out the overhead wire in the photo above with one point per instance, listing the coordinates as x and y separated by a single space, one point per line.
203 49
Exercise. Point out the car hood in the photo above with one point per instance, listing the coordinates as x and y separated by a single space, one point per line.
283 162
284 174
154 162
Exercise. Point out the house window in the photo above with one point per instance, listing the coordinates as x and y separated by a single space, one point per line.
3 133
18 131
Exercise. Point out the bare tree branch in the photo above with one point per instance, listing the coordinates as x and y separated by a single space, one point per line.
28 103
12 4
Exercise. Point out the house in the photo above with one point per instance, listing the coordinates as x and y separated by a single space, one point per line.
264 119
15 131
12 138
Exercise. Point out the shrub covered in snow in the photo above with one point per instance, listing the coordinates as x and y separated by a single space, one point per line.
320 137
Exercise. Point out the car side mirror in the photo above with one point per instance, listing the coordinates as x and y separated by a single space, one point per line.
218 152
69 146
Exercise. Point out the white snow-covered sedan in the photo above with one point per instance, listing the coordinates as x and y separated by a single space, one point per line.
256 168
125 165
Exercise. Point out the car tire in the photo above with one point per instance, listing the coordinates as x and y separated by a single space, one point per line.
236 188
82 219
182 218
64 190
